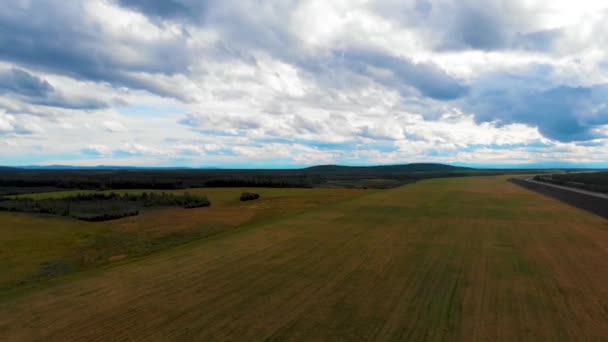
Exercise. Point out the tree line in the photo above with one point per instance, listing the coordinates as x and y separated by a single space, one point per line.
102 206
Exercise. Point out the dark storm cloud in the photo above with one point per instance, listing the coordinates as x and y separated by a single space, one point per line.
58 38
35 90
401 73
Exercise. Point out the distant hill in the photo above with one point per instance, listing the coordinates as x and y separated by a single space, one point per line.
98 167
403 168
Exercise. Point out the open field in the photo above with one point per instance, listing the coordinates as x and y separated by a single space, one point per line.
37 247
476 259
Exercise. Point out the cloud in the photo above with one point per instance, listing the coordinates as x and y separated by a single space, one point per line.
6 123
477 27
466 25
96 150
229 123
543 40
12 125
562 113
36 90
398 73
60 101
114 126
21 82
85 40
136 149
167 9
303 81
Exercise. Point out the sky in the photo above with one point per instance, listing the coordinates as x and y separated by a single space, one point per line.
284 83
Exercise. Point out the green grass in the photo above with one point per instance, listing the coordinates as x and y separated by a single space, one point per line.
472 259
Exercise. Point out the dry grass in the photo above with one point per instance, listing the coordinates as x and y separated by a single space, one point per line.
36 247
448 259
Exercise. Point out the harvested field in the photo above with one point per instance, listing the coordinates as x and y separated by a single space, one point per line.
29 243
472 259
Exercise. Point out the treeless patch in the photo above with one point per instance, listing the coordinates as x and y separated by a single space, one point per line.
172 220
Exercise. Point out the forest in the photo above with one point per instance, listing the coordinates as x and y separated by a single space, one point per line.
23 180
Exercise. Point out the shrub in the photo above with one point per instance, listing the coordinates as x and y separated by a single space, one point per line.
249 196
107 216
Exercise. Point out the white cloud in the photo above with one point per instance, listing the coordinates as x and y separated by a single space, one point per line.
98 149
22 125
114 126
6 123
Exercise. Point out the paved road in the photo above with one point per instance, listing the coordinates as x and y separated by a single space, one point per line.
592 202
580 191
